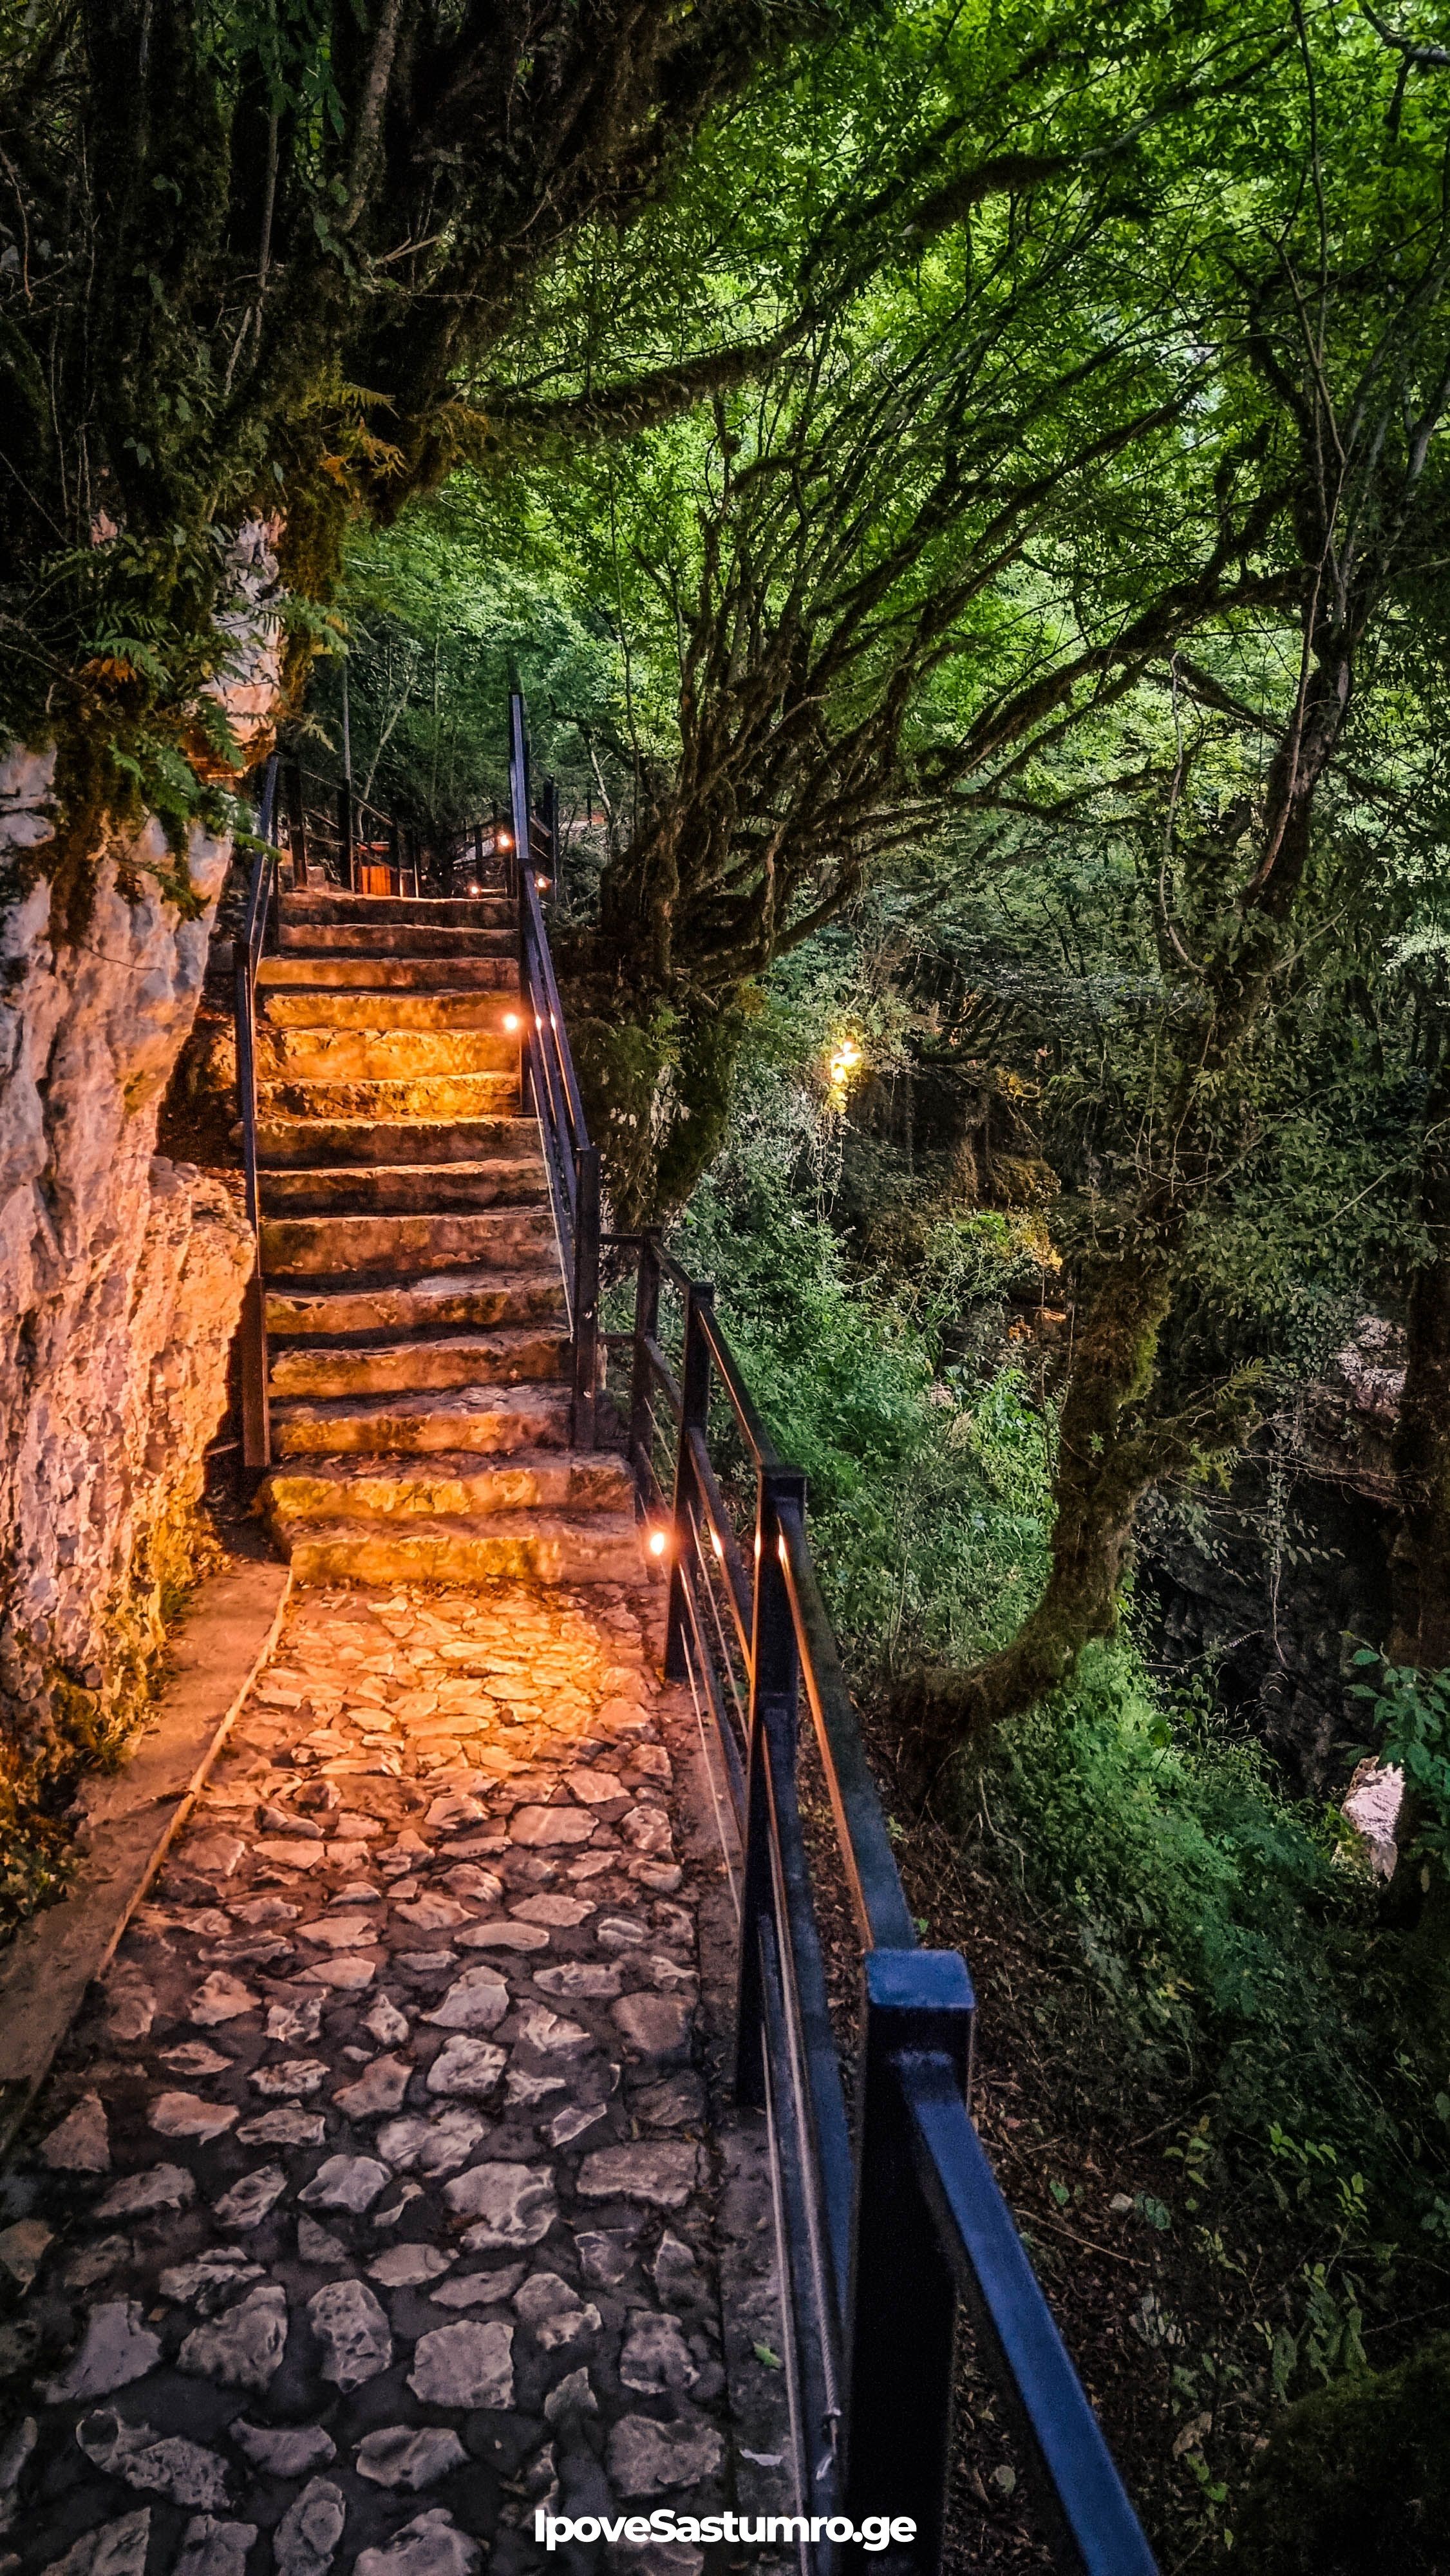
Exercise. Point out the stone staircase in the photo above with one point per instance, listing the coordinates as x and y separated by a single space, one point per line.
416 1319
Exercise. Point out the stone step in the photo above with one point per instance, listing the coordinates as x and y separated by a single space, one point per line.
377 939
305 904
405 1189
542 1547
477 1300
293 1144
467 1096
449 1486
381 1055
326 1009
479 1419
313 1247
512 1356
388 975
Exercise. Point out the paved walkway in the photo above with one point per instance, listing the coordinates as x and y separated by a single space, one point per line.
370 2209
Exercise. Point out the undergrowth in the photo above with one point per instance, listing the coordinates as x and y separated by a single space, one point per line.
1244 2000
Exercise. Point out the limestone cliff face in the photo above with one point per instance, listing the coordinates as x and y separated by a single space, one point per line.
121 1275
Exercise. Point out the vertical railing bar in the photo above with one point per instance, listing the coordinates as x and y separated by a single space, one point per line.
805 1975
818 2465
727 1662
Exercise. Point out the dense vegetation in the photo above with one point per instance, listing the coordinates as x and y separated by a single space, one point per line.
964 490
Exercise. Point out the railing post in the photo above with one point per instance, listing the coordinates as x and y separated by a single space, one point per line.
345 829
695 1415
586 1296
252 1325
774 1709
296 823
901 2331
646 1328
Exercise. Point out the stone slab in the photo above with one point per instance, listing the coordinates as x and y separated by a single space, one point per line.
215 1654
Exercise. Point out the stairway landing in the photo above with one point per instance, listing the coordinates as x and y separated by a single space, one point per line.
420 1359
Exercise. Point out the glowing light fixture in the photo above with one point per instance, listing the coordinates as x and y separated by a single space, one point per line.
658 1542
543 884
842 1065
510 1021
473 889
503 840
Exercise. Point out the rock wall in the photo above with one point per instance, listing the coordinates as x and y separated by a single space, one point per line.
121 1277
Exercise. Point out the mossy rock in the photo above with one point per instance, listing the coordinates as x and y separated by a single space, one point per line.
1355 2480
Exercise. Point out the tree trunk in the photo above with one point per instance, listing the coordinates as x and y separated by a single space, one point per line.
1106 1457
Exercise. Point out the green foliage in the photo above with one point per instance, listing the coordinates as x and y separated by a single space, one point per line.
1412 1712
1356 2477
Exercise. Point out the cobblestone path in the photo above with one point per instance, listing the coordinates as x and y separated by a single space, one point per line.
370 2208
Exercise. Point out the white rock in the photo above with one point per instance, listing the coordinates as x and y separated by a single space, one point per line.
467 2066
116 2549
549 1825
388 2026
550 2035
645 2458
573 2397
590 1980
404 2265
248 2201
185 2115
380 2088
429 1913
504 1936
449 1813
477 2000
211 2280
117 2349
194 2057
525 2092
344 1932
21 2249
301 2020
554 2314
663 2175
131 2007
435 2145
432 2545
284 2450
571 2123
594 1788
214 1855
221 1998
81 2144
305 2540
470 2364
213 2548
296 2076
478 2289
161 2464
348 1975
244 2347
161 2187
562 1911
400 2457
507 2204
346 2182
656 2357
353 2331
287 2126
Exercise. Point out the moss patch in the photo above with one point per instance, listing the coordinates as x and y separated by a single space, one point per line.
1356 2478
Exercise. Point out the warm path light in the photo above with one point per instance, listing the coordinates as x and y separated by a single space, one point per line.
657 1542
842 1064
511 1021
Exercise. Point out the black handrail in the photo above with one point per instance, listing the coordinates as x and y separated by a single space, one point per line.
883 2237
247 957
570 1160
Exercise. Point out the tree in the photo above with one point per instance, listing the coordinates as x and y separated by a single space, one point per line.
1334 339
248 252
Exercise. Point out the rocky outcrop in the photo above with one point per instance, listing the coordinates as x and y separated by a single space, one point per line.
121 1274
121 1278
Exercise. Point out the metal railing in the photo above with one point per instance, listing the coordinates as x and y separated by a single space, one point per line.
571 1161
884 2234
256 1451
337 837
